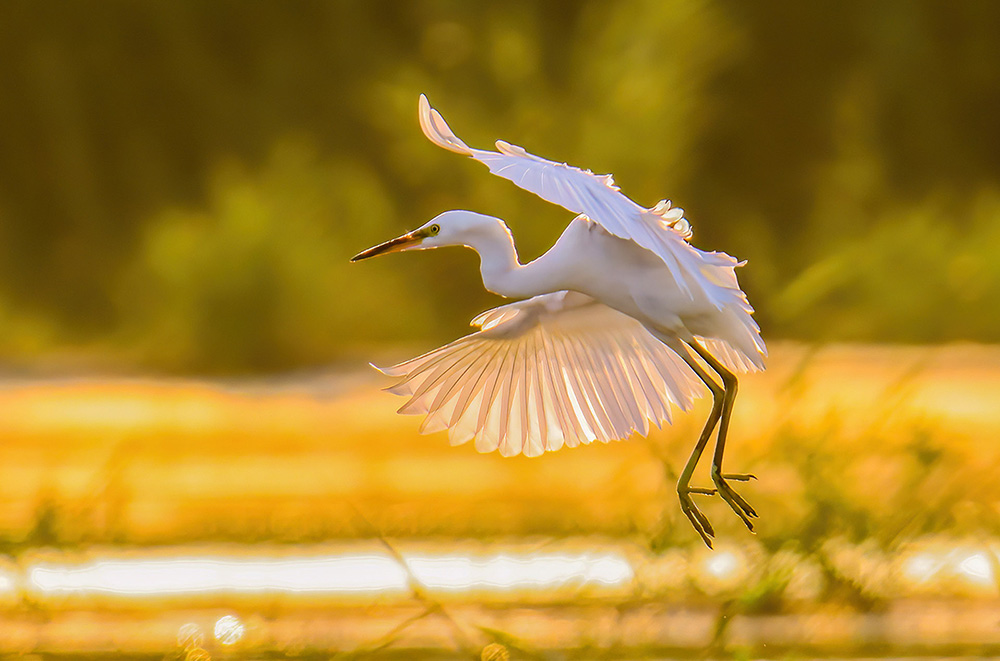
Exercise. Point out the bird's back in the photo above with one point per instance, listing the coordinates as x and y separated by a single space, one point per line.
636 282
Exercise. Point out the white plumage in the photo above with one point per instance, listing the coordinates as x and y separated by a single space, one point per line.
601 346
662 229
557 369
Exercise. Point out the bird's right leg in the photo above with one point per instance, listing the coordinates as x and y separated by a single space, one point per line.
684 488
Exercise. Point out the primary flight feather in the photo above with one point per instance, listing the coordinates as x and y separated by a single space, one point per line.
618 322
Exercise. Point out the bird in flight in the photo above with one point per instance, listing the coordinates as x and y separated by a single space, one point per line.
618 322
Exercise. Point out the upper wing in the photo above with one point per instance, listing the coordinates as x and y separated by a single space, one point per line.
661 229
557 369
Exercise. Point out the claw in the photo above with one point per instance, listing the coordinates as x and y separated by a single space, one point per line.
698 520
735 501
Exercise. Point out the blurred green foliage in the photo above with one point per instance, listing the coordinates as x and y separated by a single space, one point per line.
251 280
181 183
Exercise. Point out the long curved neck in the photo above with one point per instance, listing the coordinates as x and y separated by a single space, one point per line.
502 272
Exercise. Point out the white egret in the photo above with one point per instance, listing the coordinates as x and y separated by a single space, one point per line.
607 335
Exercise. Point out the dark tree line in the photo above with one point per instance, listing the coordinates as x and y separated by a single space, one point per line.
181 182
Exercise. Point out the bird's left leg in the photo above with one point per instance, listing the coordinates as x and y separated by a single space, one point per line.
735 501
697 518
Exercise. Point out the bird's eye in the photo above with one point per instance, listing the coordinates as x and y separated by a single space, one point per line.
434 229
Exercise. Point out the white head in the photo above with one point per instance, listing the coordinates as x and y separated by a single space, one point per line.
451 228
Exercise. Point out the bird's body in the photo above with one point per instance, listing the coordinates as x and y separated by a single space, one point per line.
617 272
599 344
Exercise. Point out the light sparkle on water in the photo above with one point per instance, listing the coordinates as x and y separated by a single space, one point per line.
229 630
977 568
722 564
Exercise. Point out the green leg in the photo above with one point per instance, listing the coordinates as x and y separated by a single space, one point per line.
697 518
735 501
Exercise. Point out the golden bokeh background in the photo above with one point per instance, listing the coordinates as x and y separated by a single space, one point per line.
196 461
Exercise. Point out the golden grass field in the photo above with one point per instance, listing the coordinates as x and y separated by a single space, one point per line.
169 461
878 496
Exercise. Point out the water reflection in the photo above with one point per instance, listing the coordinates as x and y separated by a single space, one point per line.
929 567
344 573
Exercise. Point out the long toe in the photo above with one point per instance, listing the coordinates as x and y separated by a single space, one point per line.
698 527
741 502
698 520
740 477
735 501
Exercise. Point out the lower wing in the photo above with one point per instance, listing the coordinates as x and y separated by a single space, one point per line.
554 370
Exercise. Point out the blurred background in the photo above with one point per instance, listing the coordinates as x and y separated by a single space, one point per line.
196 461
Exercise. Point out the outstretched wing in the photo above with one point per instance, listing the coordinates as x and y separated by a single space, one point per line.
661 229
557 369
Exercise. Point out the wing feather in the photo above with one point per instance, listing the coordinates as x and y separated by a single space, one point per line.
659 410
472 399
550 420
443 405
567 380
618 370
587 393
445 368
493 413
556 370
414 372
606 394
535 432
570 425
508 409
659 401
532 436
679 381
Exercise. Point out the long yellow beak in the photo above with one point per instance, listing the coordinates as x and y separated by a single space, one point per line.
393 245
